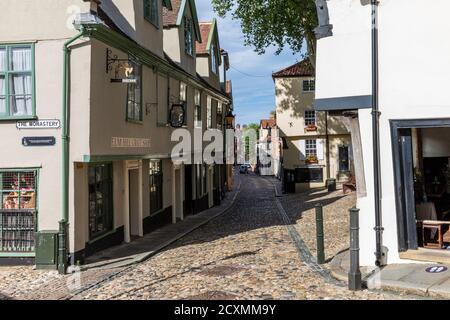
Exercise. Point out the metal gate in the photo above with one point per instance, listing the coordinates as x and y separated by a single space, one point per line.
18 199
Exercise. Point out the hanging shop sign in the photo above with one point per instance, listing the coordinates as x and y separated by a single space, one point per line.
38 141
120 67
177 115
38 124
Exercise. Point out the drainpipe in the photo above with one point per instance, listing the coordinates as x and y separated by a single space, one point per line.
62 237
380 252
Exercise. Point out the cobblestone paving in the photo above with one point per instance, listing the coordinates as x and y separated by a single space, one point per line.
245 254
301 211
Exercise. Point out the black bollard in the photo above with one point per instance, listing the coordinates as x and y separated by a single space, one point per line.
320 235
354 275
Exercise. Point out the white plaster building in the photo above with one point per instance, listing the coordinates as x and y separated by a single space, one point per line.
414 102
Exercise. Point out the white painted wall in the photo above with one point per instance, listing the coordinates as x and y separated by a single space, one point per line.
344 59
414 77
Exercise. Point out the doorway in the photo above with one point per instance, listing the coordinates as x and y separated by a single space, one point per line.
421 152
134 201
188 191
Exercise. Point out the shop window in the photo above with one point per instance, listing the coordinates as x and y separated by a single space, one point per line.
100 199
156 186
18 210
305 175
17 81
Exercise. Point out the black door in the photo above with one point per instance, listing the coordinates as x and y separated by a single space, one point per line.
407 222
289 180
188 191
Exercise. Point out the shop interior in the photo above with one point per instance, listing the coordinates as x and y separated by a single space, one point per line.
431 162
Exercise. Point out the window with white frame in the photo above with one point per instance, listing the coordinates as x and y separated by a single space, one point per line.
188 36
183 98
183 92
197 109
16 81
309 85
134 94
209 113
219 117
310 148
310 118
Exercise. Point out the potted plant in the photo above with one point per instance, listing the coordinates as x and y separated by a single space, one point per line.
312 159
311 128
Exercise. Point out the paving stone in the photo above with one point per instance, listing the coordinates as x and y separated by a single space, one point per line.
248 248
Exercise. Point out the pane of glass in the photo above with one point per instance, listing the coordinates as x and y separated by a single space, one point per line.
20 59
2 59
20 88
2 94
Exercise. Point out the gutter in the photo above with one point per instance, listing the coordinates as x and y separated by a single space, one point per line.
381 257
63 234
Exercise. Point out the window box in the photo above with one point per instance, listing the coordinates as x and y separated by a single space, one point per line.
311 128
312 159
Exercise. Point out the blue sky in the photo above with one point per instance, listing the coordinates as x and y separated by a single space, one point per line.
253 96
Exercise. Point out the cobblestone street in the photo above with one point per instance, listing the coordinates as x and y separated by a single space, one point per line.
247 253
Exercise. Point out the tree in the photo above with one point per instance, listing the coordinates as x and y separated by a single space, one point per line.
274 22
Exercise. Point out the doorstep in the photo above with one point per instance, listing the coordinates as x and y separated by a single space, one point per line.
427 255
410 278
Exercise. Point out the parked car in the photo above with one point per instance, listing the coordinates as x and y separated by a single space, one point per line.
243 169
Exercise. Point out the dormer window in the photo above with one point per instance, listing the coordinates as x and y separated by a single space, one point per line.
213 59
151 12
188 36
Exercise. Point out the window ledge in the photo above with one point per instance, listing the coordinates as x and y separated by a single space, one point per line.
18 118
135 121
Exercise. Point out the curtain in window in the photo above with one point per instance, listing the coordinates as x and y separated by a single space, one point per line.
21 82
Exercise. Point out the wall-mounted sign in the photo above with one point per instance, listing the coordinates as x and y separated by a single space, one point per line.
38 141
38 124
123 80
177 114
118 142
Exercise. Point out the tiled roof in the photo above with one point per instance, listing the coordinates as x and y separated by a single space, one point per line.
268 123
300 69
170 16
205 29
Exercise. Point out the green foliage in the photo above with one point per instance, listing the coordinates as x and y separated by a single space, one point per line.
277 23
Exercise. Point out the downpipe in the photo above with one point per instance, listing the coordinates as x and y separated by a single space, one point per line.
381 258
63 224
